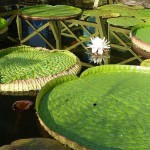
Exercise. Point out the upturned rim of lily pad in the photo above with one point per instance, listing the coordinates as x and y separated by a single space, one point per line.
88 73
24 87
140 47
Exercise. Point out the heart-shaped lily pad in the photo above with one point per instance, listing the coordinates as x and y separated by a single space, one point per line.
106 108
24 68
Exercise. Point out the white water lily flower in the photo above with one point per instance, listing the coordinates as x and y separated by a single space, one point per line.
99 50
98 45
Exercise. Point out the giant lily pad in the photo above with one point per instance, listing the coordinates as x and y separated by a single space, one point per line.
121 9
102 13
143 14
140 39
50 12
129 11
25 69
3 28
3 23
119 6
145 63
35 144
124 21
106 108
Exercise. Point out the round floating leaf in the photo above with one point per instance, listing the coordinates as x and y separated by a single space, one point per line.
140 39
124 21
145 63
6 147
3 23
103 13
123 10
3 29
107 108
50 12
50 85
119 7
25 68
35 144
143 14
143 34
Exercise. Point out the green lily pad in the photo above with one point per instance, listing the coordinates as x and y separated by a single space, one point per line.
50 12
24 68
35 144
3 23
143 14
119 6
136 30
145 63
3 29
124 21
140 39
122 9
103 13
106 108
143 34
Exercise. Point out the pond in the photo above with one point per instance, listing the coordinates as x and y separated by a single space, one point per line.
12 127
20 125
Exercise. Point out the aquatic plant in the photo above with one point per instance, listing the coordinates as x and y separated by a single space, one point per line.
107 107
99 50
25 69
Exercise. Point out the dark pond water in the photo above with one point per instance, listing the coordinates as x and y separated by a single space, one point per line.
12 127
